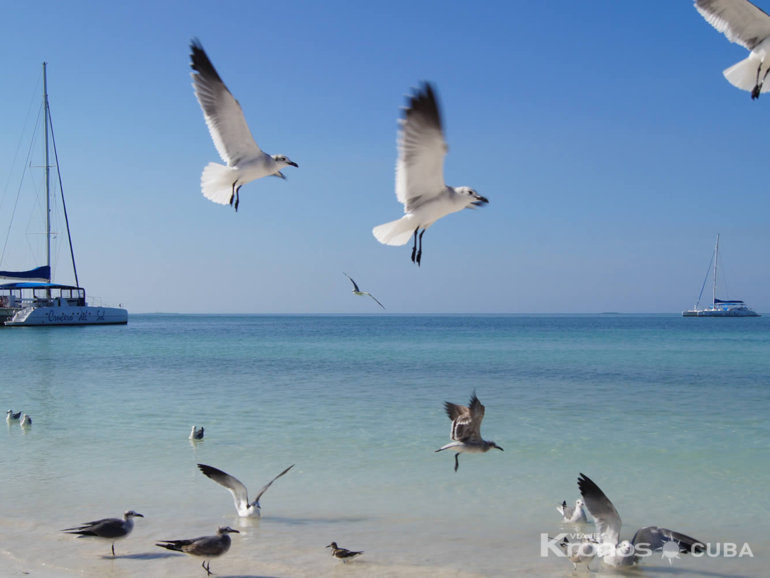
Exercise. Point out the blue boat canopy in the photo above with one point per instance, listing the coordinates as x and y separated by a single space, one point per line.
729 301
37 286
40 274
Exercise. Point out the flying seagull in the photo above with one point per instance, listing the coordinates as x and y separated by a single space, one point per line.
570 514
466 429
607 520
196 433
231 135
342 553
108 529
357 291
420 175
745 24
26 420
207 547
245 508
10 416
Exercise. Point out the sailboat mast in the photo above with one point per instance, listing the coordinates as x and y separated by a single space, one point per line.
716 260
47 177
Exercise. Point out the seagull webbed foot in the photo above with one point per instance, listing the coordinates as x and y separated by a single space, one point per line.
755 92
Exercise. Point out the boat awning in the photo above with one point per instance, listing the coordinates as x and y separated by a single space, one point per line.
37 286
40 274
730 301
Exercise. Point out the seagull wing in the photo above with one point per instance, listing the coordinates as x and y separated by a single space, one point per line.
236 488
355 287
373 297
739 20
421 151
222 112
265 488
655 538
106 528
605 515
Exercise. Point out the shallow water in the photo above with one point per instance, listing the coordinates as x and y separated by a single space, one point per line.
668 415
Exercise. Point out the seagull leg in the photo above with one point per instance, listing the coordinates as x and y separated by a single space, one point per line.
113 549
758 89
232 195
414 249
237 197
419 253
457 464
757 86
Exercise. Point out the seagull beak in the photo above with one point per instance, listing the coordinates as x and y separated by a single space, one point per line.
234 531
139 515
329 546
293 164
499 448
481 199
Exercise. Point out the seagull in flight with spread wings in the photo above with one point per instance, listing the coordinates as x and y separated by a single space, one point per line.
466 429
245 160
745 24
357 291
420 175
245 508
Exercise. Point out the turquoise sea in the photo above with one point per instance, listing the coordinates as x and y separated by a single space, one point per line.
669 416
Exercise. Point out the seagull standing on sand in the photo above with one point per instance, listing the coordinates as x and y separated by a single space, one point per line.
231 135
10 416
420 175
342 553
108 529
466 429
745 24
196 433
26 420
245 508
357 291
616 553
572 515
207 547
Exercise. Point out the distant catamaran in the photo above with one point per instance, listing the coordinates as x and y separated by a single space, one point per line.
34 299
719 308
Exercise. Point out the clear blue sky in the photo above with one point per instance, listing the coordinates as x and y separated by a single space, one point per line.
610 146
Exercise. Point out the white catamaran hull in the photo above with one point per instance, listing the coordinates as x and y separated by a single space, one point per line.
66 315
721 313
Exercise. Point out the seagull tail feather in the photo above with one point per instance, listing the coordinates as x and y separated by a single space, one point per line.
743 75
396 232
217 183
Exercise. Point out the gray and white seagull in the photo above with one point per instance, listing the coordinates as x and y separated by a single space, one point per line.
744 24
245 508
612 551
206 547
11 416
245 160
466 429
108 529
420 175
357 291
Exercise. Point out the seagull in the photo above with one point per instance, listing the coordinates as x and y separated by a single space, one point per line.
26 420
10 416
245 508
747 25
342 553
196 433
245 160
570 514
357 291
607 519
579 552
420 175
207 547
466 426
108 529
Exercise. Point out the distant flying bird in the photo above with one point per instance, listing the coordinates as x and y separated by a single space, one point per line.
342 553
608 525
745 24
26 420
466 429
245 508
108 529
206 547
572 515
420 175
10 416
196 433
357 291
232 137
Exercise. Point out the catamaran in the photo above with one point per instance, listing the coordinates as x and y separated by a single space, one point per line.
719 307
34 299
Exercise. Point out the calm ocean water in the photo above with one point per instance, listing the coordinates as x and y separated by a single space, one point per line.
668 415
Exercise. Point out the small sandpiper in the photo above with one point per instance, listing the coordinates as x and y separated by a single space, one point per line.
342 553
